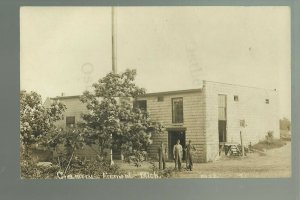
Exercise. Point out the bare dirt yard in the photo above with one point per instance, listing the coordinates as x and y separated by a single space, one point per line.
273 163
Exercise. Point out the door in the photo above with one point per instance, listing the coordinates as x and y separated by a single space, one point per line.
222 131
222 118
173 136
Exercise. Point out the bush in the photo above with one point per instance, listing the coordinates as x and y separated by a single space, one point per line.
269 144
137 157
166 173
269 137
83 168
30 170
94 168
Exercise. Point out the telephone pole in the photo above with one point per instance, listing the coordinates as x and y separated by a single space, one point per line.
114 62
113 41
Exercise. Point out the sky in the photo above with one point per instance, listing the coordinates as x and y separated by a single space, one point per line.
66 49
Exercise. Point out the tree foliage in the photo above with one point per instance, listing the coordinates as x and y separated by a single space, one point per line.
285 124
111 114
35 119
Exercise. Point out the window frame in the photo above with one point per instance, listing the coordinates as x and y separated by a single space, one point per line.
136 103
69 124
173 114
160 98
222 107
267 101
235 98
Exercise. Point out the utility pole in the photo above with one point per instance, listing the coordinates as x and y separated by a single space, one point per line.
113 41
114 63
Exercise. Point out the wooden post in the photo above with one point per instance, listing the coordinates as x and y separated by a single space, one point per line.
241 136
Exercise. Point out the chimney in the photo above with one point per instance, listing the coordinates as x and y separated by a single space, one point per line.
62 94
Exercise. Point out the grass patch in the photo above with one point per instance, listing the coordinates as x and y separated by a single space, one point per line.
269 144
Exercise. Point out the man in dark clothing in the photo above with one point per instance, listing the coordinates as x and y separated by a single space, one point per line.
189 159
162 156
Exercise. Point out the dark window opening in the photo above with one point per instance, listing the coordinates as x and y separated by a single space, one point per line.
70 121
160 98
141 104
222 118
236 98
267 101
177 110
242 123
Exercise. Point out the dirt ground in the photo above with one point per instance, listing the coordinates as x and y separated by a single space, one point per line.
274 163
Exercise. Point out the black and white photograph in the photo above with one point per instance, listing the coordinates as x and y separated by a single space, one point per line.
170 92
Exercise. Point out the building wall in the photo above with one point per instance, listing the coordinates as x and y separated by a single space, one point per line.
193 120
74 108
251 106
200 116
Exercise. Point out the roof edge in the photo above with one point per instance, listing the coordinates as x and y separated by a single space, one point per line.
65 97
172 92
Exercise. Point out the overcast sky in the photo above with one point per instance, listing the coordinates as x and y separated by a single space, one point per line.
66 49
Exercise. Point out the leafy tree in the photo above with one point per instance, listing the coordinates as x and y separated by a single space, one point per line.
36 120
285 124
69 140
112 121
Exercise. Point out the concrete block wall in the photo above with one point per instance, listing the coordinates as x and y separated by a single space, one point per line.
193 120
251 107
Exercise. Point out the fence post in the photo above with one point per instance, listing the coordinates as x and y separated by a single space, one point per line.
241 136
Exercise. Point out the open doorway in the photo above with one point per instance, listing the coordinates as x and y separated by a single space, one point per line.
222 118
173 136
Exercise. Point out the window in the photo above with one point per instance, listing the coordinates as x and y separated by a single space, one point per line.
177 110
141 104
70 121
267 101
236 98
242 123
160 98
222 107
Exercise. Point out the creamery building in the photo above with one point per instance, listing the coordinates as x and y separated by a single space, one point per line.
210 116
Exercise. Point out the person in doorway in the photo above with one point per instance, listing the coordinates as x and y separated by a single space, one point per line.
177 153
162 156
189 156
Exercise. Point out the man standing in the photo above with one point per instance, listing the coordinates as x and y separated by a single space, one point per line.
162 156
177 153
189 159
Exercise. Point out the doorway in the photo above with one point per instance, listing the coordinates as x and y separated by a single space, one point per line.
173 136
222 118
222 131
